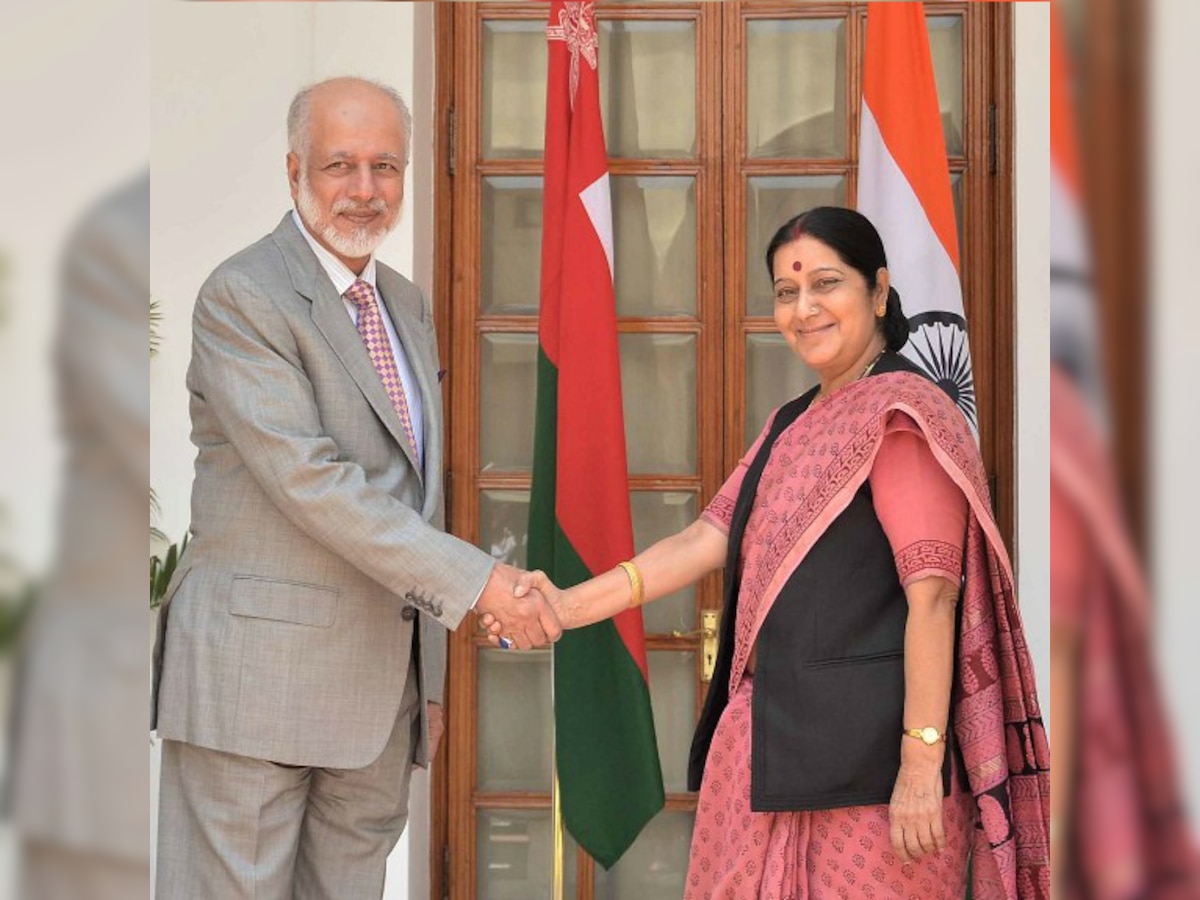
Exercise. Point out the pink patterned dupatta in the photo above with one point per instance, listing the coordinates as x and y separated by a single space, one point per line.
816 466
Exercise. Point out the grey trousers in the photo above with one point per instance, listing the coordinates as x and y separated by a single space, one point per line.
231 827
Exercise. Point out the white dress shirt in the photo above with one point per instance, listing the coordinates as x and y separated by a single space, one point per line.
342 278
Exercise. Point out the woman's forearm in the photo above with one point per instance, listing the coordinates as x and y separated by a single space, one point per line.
665 567
928 664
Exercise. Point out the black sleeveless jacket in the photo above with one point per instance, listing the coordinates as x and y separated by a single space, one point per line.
827 711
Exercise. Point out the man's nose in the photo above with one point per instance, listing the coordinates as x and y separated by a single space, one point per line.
362 183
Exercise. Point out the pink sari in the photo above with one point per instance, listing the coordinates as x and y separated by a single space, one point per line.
816 466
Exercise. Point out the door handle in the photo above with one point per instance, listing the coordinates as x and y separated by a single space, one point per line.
710 620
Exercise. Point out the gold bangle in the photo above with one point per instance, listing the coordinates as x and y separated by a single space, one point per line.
635 583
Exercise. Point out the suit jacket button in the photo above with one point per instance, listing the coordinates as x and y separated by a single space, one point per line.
408 614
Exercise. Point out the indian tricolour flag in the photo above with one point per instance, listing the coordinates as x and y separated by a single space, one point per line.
610 780
1074 338
904 189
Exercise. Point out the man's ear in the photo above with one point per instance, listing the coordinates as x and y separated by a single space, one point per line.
293 173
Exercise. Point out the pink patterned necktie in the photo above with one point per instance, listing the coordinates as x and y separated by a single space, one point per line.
375 337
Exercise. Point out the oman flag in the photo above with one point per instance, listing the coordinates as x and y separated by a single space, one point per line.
610 781
904 189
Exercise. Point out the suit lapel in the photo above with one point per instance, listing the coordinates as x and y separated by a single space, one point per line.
405 317
331 318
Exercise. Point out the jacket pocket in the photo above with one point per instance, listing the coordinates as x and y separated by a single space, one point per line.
852 660
283 601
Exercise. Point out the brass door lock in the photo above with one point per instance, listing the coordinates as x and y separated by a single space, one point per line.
710 620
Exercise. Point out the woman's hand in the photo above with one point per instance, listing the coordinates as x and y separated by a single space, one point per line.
915 812
527 581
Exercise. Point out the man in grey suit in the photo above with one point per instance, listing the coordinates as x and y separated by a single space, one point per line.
302 648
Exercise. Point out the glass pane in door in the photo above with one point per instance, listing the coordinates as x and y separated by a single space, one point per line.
656 515
508 388
648 87
516 721
514 849
946 48
504 525
511 250
655 866
654 245
514 88
658 384
774 375
796 88
673 699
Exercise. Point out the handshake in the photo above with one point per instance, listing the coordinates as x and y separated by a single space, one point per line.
521 610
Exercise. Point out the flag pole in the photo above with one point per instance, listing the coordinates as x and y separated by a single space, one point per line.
556 878
557 886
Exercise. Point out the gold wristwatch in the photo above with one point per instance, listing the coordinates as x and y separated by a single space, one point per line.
927 735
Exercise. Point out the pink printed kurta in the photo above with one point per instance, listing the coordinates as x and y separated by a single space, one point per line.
840 853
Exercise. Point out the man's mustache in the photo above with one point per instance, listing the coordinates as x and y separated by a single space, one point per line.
350 206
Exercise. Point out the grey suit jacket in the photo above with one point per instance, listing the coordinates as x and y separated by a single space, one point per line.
287 631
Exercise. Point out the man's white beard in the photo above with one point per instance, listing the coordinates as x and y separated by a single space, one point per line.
363 241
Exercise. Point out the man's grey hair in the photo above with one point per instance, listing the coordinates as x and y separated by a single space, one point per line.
299 120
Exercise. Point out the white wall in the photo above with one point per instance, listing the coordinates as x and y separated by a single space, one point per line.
1175 326
69 139
1032 222
222 77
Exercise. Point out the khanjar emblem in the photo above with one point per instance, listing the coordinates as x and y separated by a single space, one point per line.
937 342
577 27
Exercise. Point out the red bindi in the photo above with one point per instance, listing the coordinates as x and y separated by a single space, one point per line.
796 267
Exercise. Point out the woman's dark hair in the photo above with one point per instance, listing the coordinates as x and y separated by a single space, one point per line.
854 239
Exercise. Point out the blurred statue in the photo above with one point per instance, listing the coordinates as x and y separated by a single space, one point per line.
80 787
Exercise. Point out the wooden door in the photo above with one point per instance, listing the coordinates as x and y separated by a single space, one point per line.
722 120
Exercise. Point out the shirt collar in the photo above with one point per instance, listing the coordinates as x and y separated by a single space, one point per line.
339 273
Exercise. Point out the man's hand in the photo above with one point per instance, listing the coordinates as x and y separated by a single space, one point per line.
437 727
528 620
534 581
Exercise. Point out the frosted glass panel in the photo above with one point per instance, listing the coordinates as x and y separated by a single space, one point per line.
654 238
511 250
655 866
514 88
504 525
771 201
946 48
508 385
514 849
774 375
658 386
516 721
648 88
656 515
796 88
673 698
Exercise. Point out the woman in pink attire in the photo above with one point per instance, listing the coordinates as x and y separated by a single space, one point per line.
872 722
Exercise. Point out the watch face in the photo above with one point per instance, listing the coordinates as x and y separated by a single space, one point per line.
930 735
